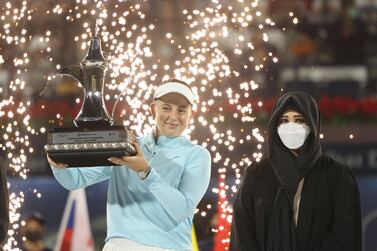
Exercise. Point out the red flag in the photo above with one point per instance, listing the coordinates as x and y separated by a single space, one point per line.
223 218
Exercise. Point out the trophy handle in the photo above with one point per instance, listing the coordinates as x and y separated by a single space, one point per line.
73 71
120 95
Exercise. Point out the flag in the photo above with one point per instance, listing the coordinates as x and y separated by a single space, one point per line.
195 246
74 232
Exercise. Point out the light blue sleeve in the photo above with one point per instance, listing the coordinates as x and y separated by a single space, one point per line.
191 189
76 178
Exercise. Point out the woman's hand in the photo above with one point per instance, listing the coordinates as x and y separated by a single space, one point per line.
136 163
56 165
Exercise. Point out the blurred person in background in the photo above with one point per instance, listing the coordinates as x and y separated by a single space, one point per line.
296 199
33 231
152 196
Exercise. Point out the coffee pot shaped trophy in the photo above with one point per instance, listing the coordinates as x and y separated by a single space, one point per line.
94 139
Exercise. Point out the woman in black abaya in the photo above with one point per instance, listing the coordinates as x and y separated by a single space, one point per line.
296 199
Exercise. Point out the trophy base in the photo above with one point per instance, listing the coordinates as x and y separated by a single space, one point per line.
86 159
78 147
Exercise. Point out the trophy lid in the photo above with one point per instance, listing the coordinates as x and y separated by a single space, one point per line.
95 51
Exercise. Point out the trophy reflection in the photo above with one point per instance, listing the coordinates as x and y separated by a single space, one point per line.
94 139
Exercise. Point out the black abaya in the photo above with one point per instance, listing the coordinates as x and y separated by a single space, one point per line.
329 216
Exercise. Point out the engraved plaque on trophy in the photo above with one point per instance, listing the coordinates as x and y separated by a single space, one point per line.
94 139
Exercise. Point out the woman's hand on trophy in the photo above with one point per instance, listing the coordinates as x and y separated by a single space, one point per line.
136 163
54 164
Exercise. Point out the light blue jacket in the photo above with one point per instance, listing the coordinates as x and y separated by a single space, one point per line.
157 211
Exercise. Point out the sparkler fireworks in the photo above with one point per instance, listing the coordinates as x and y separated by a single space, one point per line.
217 47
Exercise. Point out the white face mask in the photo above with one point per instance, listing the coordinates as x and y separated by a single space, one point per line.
293 135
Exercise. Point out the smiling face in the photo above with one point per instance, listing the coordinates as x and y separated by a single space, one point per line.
172 114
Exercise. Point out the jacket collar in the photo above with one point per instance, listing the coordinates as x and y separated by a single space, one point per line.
165 141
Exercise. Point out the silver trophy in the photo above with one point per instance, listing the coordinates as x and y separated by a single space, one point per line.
94 139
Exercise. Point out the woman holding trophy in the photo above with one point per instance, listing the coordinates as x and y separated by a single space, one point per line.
152 196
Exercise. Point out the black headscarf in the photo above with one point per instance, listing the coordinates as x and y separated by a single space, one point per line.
290 169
